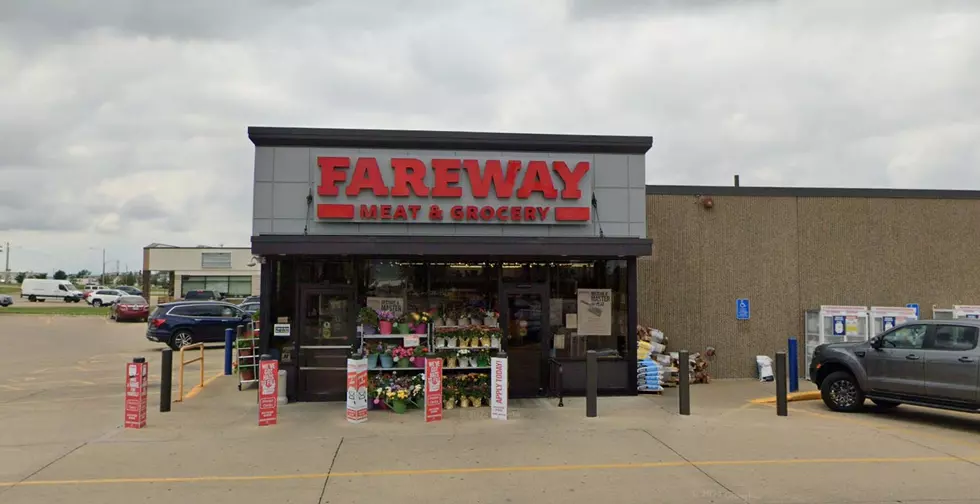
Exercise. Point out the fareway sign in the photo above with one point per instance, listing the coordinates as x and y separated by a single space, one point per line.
454 190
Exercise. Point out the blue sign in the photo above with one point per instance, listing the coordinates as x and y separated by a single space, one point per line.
839 325
742 311
887 323
916 306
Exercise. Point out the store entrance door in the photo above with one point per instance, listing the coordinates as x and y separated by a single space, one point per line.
527 332
326 331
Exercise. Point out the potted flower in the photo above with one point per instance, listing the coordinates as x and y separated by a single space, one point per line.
374 351
385 320
420 322
452 337
368 319
491 318
494 334
450 317
464 358
398 398
418 356
403 323
450 360
417 390
482 358
450 392
385 357
401 356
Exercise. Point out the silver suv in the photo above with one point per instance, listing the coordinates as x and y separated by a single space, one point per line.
933 363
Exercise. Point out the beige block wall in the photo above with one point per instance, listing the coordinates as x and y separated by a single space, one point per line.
790 254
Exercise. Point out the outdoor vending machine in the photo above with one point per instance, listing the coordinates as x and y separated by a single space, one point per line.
966 311
835 324
884 318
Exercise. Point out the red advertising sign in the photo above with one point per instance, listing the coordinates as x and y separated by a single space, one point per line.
137 384
560 190
268 392
433 390
357 393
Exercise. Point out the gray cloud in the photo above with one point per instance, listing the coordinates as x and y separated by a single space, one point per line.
124 120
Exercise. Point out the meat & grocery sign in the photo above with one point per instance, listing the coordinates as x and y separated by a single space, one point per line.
454 190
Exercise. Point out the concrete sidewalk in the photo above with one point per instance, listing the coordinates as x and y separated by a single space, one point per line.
210 449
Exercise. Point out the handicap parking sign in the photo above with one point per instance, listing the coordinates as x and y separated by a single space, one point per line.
742 311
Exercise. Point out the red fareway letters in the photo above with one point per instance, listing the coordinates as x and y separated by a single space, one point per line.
552 180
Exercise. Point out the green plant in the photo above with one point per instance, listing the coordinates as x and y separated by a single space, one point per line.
367 316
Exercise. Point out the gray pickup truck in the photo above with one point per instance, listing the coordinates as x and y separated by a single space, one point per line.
933 363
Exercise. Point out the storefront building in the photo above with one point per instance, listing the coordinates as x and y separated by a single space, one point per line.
459 223
228 271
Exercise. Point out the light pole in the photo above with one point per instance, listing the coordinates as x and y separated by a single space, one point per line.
102 278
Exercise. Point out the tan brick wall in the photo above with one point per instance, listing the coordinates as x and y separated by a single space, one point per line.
789 254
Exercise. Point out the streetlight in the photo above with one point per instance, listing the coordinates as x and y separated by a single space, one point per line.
101 279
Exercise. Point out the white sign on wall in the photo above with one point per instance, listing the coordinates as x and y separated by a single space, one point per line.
595 312
392 304
498 388
281 330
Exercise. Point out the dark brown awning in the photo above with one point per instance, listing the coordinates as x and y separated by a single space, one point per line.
451 246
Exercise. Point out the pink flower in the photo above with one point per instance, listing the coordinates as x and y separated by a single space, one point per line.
377 401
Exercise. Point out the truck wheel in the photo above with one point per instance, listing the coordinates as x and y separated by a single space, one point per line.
840 392
32 298
883 404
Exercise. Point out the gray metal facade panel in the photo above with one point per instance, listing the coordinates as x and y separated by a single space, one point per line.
295 170
611 171
264 164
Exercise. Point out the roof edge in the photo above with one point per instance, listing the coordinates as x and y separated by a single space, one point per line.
810 192
266 136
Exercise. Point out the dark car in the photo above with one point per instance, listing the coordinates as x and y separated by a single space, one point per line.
132 291
250 299
133 308
251 307
932 363
202 295
182 323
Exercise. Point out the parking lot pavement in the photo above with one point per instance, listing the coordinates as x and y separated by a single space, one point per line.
62 441
48 303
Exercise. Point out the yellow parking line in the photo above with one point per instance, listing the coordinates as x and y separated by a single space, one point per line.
197 388
484 470
811 395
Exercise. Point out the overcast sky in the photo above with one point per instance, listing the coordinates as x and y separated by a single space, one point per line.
122 122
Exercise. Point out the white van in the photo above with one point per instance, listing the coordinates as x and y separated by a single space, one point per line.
38 289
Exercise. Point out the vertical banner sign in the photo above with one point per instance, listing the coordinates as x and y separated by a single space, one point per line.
838 325
357 392
268 392
595 312
137 378
433 390
498 388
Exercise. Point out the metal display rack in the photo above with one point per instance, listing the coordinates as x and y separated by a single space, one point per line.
248 340
428 341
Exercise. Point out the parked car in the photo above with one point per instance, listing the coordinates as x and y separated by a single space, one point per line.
132 291
250 299
202 295
130 308
40 289
6 300
90 289
932 363
250 307
105 297
182 323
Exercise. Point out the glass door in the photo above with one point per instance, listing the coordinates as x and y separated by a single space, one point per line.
527 334
326 333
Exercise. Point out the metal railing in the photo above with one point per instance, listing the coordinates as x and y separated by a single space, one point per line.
556 381
180 379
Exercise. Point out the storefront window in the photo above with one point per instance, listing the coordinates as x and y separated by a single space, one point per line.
325 272
227 286
589 297
460 289
404 281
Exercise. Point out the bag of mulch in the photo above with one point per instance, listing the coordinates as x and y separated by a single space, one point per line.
764 365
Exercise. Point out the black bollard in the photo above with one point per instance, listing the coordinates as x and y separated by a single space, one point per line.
591 384
684 387
166 379
781 407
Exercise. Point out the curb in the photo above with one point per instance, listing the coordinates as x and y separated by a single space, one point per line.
812 395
